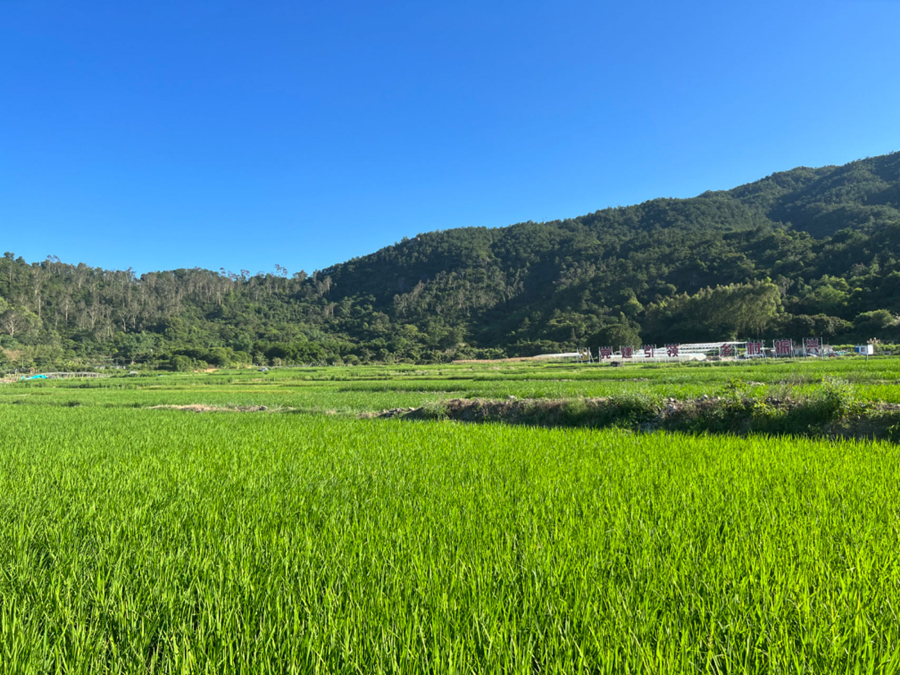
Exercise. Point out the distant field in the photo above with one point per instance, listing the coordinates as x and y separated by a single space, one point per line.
356 389
135 539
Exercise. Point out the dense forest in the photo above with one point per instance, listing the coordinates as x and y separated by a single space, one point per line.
806 252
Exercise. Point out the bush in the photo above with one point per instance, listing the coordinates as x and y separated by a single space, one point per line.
434 410
836 399
629 410
181 363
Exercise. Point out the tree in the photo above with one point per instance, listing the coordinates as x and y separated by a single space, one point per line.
615 335
181 363
877 324
15 322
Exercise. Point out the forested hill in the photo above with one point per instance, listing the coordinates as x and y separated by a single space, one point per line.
806 252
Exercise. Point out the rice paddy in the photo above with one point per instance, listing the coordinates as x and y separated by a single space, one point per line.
140 540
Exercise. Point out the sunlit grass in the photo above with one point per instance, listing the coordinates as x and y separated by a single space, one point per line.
356 389
158 541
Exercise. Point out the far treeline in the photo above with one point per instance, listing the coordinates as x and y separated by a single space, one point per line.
803 253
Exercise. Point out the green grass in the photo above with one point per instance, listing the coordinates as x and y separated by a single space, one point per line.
357 389
159 541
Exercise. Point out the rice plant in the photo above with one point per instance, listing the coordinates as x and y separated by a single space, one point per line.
156 541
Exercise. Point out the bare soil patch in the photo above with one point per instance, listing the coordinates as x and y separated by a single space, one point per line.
200 407
513 359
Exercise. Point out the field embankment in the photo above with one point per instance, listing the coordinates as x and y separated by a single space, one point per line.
828 415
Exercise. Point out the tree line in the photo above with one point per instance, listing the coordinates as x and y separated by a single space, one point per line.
807 252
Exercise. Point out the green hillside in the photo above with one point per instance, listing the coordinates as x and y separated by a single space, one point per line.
799 253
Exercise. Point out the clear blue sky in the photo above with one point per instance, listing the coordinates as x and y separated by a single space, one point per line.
227 134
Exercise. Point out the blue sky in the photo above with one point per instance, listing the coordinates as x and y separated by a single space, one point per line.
244 134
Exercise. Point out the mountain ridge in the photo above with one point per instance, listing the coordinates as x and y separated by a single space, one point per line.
808 251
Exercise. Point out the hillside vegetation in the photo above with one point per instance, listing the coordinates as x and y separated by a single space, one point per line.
806 252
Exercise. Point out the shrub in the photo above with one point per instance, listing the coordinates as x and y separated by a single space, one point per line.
181 363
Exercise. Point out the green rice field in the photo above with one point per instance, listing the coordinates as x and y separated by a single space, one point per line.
303 539
357 389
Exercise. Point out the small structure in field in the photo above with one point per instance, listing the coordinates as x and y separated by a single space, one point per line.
61 376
